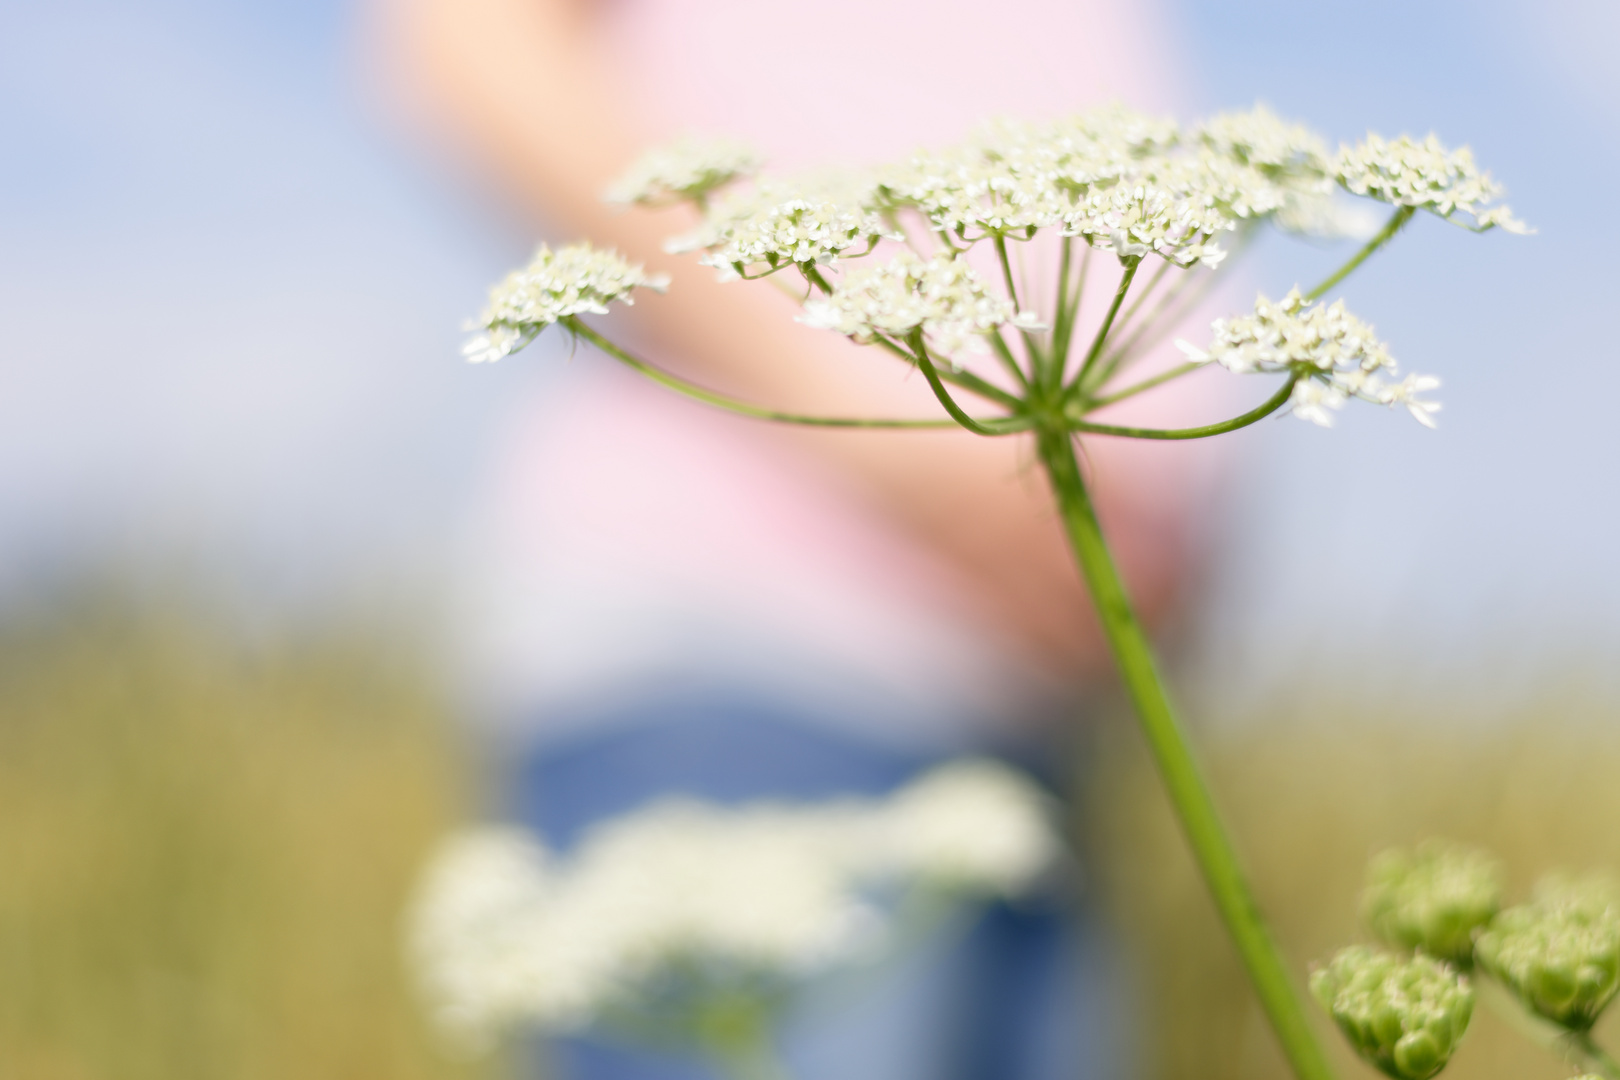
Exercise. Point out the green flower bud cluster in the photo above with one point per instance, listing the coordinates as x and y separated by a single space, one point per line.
1432 898
1404 1015
1560 953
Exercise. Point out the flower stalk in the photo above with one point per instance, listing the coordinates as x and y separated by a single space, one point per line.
1183 780
1396 221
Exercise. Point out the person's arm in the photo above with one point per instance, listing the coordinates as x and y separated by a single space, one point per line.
526 87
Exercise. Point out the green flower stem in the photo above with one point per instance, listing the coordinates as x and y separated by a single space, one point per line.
1008 361
1146 384
964 379
1596 1055
1064 313
1254 415
813 276
1031 347
1142 295
989 426
932 375
1101 339
1177 302
1074 309
1188 792
1387 233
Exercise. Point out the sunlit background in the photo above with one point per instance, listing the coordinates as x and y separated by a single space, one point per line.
231 293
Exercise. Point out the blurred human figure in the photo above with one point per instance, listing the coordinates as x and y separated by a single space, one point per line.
679 600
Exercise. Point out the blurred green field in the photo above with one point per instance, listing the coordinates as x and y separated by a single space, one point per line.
204 849
1309 802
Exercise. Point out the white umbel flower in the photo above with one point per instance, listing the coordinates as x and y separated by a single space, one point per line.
1178 221
1426 175
1013 178
473 925
571 280
663 908
974 824
687 169
1335 354
1259 138
941 296
972 194
810 221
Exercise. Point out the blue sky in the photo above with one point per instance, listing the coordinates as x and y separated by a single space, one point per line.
229 308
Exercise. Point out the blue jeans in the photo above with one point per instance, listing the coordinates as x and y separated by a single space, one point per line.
1027 992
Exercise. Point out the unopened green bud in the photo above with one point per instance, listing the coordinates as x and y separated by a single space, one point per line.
1432 898
1405 1016
1560 953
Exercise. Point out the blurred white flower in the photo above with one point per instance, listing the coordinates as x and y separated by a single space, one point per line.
1335 355
688 168
1328 215
571 280
1426 175
682 899
972 825
1259 138
941 296
471 927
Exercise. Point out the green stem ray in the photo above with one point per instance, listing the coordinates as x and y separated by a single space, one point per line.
1183 780
1008 360
1141 297
813 276
996 426
1101 339
1253 416
1595 1054
1062 314
965 379
1146 384
1387 233
1032 347
932 375
1174 306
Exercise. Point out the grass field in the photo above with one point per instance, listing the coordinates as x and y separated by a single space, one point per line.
204 849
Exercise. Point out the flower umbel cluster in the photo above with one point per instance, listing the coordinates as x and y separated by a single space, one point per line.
663 909
1433 898
1333 355
807 221
686 170
1560 953
571 280
1427 176
941 296
1405 1016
